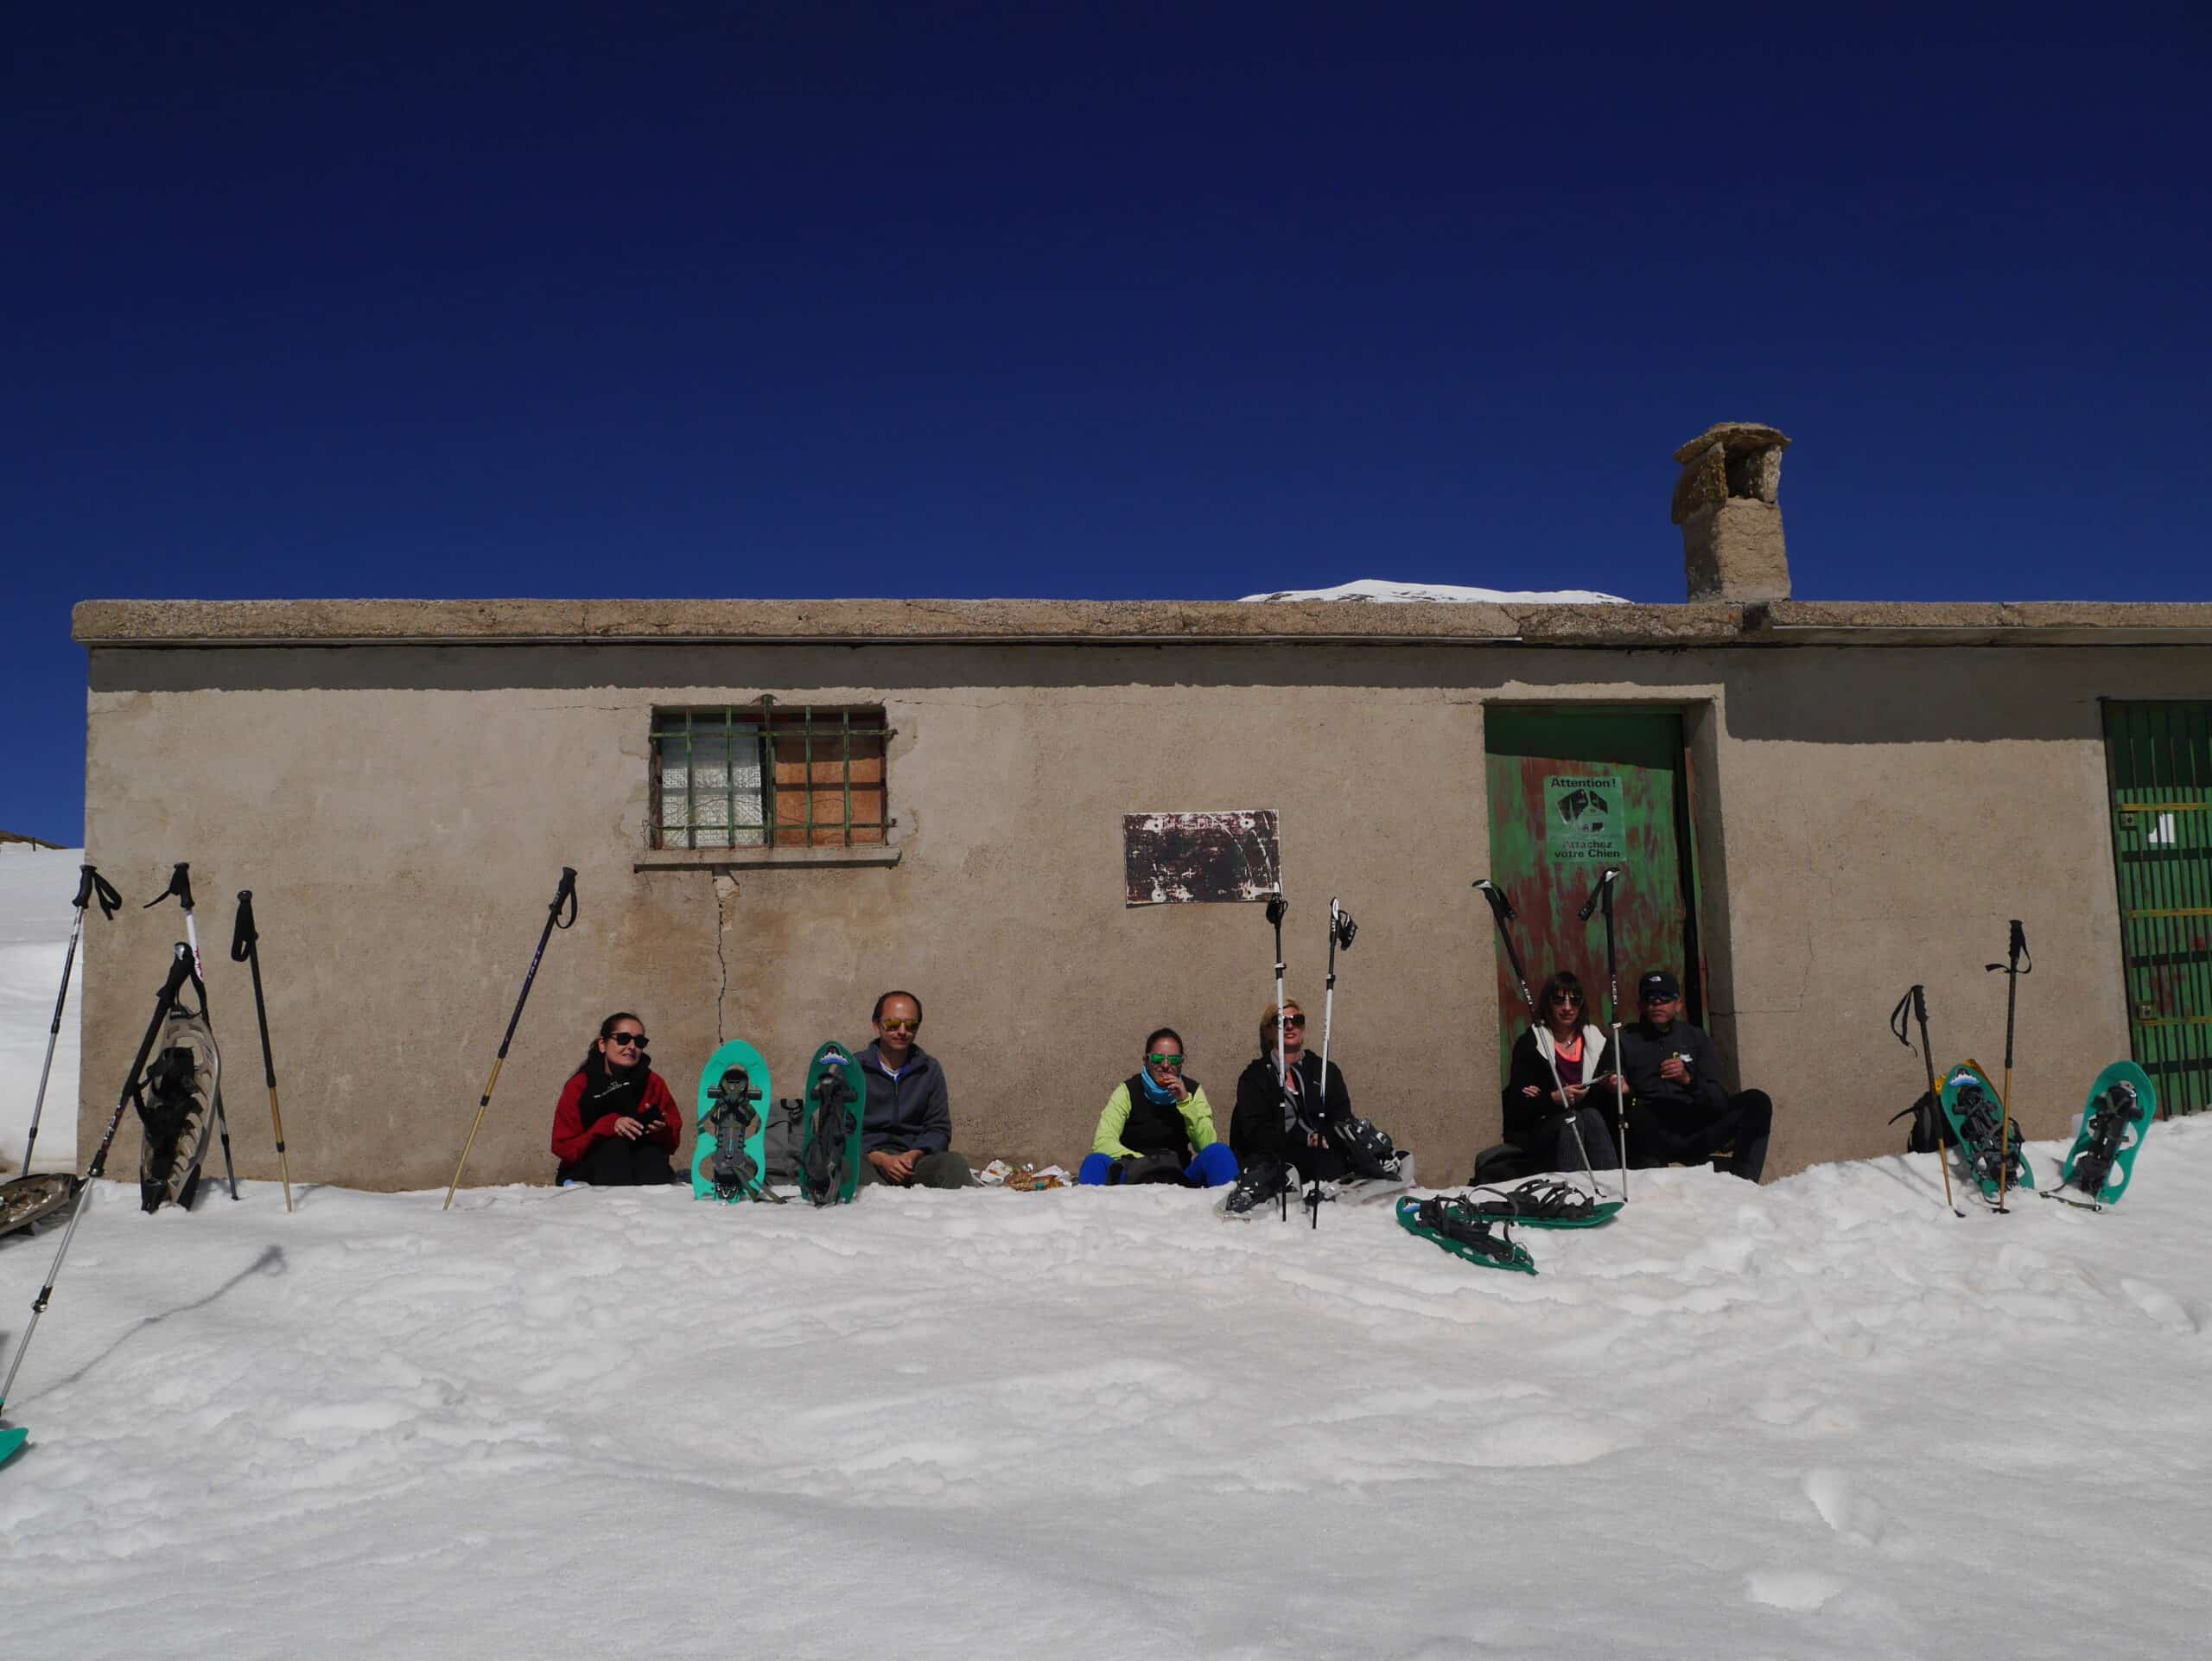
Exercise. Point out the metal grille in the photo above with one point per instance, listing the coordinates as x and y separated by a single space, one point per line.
758 776
2158 761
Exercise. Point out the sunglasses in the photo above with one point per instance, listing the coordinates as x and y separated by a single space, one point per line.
1293 1020
900 1025
1565 997
1160 1061
628 1040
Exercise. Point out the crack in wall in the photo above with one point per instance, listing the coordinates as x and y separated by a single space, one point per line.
725 891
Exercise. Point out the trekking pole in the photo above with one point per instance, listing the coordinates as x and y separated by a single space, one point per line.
91 886
1278 908
1341 930
180 970
245 948
2016 947
180 885
1916 999
563 895
1502 909
1601 898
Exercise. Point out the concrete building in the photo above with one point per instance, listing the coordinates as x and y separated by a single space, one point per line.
777 810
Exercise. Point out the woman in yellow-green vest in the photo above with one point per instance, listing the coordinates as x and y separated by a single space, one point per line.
1157 1127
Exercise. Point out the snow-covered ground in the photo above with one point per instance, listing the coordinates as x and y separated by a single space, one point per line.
1819 1419
1374 589
1823 1418
35 888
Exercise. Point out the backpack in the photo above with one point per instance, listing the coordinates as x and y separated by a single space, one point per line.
780 1143
1930 1129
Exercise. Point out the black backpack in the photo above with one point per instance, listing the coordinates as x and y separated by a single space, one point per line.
1930 1129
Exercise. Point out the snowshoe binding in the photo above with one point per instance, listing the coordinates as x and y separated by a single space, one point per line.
29 1201
1366 1151
177 1101
1453 1223
1262 1181
1543 1202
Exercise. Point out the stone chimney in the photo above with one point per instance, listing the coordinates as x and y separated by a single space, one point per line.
1726 503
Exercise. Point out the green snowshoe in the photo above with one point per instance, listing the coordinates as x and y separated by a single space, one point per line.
730 1163
2121 1105
1975 1113
829 1152
1452 1222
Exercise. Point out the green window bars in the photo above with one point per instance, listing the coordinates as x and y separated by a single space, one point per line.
755 776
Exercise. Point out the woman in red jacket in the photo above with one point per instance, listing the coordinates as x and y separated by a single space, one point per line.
616 1124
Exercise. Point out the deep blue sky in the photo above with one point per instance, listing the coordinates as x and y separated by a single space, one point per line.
1110 299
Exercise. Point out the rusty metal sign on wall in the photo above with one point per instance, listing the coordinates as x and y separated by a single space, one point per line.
1174 858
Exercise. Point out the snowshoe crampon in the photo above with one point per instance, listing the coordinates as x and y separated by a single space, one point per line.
1452 1222
29 1201
1543 1202
177 1110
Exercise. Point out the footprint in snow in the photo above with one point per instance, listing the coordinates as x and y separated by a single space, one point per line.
2162 1307
1798 1590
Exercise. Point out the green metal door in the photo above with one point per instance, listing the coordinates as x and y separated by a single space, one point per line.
2158 761
1573 791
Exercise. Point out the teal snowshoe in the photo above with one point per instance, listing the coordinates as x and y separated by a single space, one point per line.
1976 1114
1543 1202
1452 1222
730 1162
2122 1105
830 1154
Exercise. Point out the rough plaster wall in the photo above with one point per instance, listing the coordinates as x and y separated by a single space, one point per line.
401 814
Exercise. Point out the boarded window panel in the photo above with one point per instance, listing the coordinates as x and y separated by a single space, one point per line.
1183 858
811 793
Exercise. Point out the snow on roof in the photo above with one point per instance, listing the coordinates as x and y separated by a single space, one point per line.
1370 588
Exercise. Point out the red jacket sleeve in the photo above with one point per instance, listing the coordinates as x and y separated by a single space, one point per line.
572 1137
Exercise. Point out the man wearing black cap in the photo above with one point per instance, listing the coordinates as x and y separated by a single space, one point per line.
1681 1112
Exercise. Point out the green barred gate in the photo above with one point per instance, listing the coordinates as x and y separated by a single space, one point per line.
2158 760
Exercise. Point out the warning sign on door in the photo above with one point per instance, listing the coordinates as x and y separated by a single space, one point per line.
1583 820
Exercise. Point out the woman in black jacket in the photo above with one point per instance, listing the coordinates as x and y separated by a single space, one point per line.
1561 1079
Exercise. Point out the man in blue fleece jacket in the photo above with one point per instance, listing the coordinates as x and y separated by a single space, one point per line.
906 1133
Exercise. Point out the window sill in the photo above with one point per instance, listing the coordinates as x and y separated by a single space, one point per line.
762 859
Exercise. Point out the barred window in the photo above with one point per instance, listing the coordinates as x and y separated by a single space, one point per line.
757 775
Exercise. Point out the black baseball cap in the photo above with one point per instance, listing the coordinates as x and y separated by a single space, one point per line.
1658 984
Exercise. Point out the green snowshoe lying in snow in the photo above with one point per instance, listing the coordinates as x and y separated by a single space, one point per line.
1451 1221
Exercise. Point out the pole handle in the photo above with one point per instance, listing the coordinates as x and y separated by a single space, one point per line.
92 886
180 885
565 895
244 935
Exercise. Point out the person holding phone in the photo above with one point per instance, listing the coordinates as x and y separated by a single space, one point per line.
1681 1110
1543 1112
1158 1126
616 1124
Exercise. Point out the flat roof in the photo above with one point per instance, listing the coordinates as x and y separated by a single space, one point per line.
203 623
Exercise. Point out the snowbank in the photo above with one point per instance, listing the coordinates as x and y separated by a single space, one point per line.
35 889
1821 1418
1374 589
